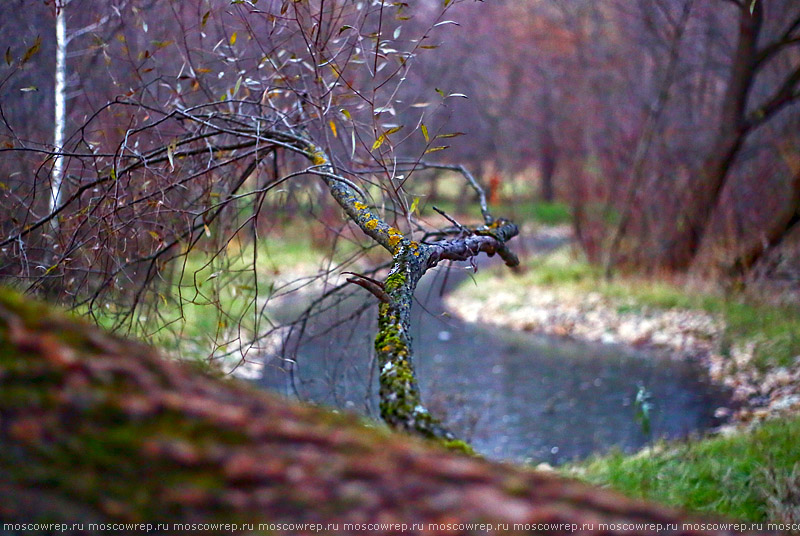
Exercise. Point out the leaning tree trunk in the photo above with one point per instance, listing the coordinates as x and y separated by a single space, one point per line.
400 400
639 160
97 429
401 404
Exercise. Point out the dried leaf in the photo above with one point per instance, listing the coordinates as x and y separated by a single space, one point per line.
450 135
434 149
171 154
32 50
236 87
425 133
333 129
379 141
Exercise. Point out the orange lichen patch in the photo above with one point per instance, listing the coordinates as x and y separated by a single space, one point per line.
395 239
371 224
359 205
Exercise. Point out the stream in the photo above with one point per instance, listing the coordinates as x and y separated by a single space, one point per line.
514 396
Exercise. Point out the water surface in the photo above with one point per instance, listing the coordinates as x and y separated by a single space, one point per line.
515 396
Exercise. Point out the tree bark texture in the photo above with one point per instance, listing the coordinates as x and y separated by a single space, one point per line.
95 428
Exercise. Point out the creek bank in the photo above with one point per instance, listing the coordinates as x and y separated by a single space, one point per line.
514 395
686 334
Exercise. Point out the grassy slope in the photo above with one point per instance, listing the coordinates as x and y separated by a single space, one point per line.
753 476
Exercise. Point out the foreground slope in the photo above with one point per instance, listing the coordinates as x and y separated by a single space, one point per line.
97 428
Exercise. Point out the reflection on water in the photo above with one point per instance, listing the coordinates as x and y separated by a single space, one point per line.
514 396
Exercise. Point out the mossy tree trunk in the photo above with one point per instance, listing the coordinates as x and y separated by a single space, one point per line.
400 401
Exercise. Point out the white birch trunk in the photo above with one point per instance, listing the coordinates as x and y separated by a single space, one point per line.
60 106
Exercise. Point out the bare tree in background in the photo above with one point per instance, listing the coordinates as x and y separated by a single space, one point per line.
756 53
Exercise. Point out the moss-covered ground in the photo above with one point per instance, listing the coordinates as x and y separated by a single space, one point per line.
100 429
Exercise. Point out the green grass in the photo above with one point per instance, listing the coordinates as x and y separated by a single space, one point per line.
775 331
751 476
213 299
536 211
520 211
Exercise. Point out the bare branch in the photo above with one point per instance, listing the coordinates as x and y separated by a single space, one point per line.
784 95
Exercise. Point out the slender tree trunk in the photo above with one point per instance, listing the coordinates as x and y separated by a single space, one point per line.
548 150
59 124
547 168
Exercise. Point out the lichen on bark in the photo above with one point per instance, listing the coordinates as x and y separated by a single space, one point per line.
400 401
